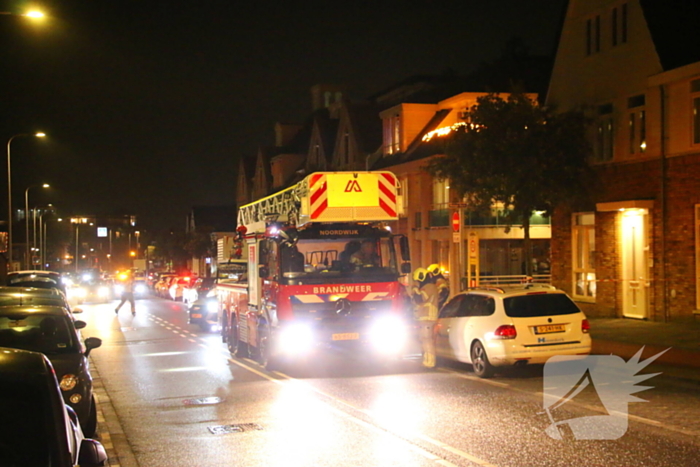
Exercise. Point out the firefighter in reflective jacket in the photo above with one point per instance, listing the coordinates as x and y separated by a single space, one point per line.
425 296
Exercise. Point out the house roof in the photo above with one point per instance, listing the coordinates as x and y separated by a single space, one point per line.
673 25
364 118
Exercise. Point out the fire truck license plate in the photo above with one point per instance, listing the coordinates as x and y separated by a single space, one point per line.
346 336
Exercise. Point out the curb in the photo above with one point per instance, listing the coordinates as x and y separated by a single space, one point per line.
110 432
674 357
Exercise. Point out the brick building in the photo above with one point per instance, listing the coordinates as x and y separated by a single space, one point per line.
634 67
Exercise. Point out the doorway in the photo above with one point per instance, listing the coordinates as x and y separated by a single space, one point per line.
635 273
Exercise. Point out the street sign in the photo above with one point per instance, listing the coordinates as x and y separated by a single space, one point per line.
455 221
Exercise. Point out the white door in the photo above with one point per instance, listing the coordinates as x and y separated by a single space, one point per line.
635 249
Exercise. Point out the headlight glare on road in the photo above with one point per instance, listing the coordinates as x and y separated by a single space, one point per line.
79 292
296 339
388 334
68 382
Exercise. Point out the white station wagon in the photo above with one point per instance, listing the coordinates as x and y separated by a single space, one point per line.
510 325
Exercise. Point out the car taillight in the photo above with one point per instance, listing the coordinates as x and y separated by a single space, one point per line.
585 326
507 331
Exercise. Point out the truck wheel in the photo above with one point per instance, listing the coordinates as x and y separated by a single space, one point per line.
264 354
235 346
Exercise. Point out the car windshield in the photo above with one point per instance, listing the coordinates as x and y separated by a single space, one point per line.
48 334
535 305
367 259
23 434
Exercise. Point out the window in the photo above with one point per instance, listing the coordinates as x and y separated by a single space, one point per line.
637 124
403 192
441 193
452 308
477 305
604 134
695 96
392 127
588 37
583 248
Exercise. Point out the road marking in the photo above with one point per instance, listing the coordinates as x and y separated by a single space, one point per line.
376 428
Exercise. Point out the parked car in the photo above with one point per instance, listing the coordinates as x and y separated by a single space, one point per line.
52 331
197 289
34 296
39 279
204 312
177 285
37 428
162 286
517 325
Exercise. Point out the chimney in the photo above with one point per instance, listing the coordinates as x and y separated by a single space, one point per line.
324 95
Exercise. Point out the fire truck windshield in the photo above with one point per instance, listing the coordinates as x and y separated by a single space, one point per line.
372 258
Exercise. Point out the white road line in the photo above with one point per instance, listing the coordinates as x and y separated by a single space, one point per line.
375 428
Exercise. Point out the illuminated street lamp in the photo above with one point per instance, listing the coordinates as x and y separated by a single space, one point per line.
26 218
9 194
34 14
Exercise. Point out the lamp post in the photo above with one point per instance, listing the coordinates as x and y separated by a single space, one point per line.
26 218
42 240
9 193
45 248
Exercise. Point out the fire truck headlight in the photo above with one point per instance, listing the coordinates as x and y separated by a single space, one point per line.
296 339
141 289
388 334
212 306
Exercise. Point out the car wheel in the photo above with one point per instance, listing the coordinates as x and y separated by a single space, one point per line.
90 425
480 361
235 346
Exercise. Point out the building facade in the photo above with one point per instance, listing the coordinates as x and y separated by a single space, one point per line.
634 250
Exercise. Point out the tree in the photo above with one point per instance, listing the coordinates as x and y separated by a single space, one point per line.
514 153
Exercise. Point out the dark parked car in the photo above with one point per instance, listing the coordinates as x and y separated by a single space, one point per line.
37 428
34 296
52 331
39 279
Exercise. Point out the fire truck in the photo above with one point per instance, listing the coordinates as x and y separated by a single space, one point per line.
323 269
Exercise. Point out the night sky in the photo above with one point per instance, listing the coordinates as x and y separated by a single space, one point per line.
149 104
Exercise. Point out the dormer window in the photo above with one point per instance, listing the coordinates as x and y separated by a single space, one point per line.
392 134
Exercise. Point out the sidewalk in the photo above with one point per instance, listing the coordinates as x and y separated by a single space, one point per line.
624 338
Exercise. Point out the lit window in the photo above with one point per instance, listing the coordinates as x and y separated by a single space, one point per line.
583 247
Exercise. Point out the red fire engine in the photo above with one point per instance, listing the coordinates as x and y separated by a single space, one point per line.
323 268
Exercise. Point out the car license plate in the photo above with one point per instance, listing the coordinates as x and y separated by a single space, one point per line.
550 328
346 336
196 315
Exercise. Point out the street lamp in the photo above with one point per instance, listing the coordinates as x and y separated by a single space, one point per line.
9 194
34 14
44 249
26 217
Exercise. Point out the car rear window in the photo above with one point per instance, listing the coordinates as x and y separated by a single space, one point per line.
534 305
48 334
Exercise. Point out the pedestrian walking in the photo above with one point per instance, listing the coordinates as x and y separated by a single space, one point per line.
127 295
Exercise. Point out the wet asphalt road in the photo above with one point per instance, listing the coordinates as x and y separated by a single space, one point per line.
162 376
